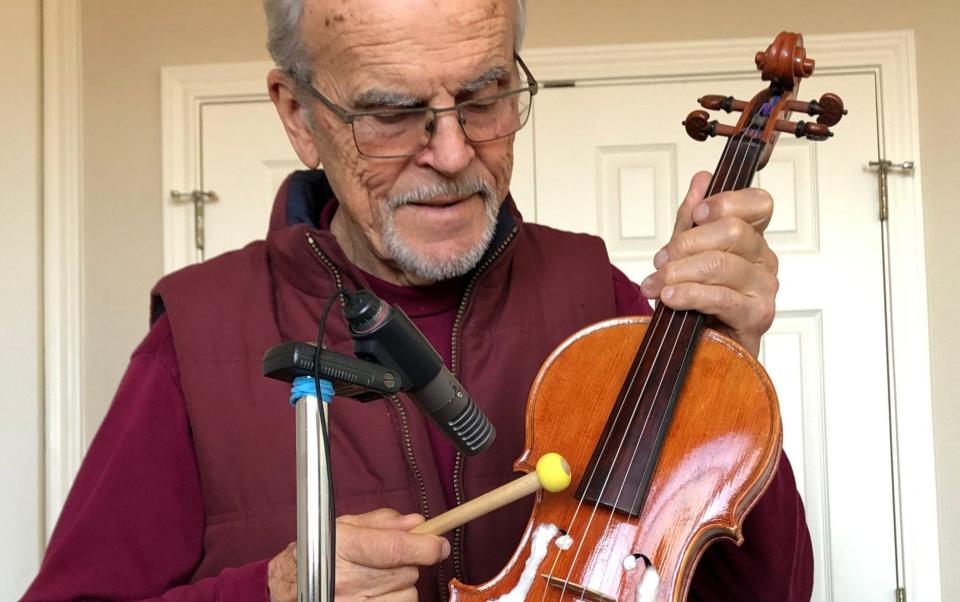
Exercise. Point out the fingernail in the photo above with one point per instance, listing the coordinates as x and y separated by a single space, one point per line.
701 212
660 258
646 287
666 293
445 547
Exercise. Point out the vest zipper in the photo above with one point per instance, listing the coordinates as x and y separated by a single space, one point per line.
458 467
404 423
418 476
411 461
326 261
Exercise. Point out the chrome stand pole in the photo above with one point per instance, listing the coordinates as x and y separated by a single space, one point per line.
313 515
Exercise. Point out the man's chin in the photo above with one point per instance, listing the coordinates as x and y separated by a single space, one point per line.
434 263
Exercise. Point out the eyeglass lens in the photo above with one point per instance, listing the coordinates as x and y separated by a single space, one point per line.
403 134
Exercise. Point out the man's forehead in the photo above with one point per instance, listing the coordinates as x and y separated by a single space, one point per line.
339 26
407 45
341 9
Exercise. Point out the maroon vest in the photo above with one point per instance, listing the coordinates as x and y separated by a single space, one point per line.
540 287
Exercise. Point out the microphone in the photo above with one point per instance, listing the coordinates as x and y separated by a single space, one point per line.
386 335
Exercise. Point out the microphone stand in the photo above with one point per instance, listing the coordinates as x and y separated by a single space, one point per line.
349 377
313 493
394 357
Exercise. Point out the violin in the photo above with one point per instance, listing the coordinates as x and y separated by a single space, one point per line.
673 442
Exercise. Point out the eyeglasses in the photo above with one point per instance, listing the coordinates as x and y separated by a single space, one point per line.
402 132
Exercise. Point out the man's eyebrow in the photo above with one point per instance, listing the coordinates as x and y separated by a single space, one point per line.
377 98
490 75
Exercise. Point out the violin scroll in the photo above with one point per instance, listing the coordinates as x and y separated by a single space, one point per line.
784 63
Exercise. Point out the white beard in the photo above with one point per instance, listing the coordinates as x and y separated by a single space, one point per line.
437 269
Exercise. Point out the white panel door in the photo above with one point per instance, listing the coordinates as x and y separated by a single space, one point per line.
613 160
245 156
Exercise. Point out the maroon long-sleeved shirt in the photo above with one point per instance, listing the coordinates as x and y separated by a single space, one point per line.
132 527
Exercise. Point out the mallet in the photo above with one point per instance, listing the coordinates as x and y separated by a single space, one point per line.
552 474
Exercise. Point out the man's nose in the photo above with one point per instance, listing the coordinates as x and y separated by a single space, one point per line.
449 151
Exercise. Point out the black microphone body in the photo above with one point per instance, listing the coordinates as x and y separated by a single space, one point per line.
386 335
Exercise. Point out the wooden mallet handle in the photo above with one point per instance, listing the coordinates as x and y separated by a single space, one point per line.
552 474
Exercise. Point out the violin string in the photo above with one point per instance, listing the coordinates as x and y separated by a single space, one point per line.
684 315
646 346
748 158
636 448
753 162
723 187
739 181
755 131
671 359
596 505
740 141
673 314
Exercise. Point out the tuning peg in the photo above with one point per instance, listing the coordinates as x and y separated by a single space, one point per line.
828 110
700 129
803 129
715 102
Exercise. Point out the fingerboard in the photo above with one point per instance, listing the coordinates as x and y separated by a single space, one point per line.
625 456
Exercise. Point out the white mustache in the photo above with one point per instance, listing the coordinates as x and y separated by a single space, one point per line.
458 189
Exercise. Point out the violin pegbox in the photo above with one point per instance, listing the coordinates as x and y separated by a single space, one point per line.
765 116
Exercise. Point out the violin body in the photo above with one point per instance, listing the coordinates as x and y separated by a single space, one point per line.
720 454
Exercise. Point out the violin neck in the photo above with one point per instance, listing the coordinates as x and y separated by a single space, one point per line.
657 373
738 164
673 335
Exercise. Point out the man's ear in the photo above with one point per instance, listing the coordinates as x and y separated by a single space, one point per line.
284 98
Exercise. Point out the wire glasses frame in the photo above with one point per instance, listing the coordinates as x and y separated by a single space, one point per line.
403 132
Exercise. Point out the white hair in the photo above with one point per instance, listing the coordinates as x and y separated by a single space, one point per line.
285 36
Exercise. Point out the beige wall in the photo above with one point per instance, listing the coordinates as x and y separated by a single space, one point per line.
20 301
125 43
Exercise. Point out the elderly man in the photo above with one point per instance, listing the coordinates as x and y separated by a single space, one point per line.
187 492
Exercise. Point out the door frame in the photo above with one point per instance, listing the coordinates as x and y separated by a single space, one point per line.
62 252
890 56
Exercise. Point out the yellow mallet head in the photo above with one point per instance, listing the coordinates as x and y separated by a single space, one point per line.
553 472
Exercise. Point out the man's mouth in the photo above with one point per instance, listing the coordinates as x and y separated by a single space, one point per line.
439 202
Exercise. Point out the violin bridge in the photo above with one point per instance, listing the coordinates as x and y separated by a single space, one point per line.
584 593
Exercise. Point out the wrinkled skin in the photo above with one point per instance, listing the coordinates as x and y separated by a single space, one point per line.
376 559
423 50
428 50
723 267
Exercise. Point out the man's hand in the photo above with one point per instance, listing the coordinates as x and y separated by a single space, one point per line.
376 558
723 267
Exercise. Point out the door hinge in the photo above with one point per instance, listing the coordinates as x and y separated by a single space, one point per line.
883 166
199 198
901 594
